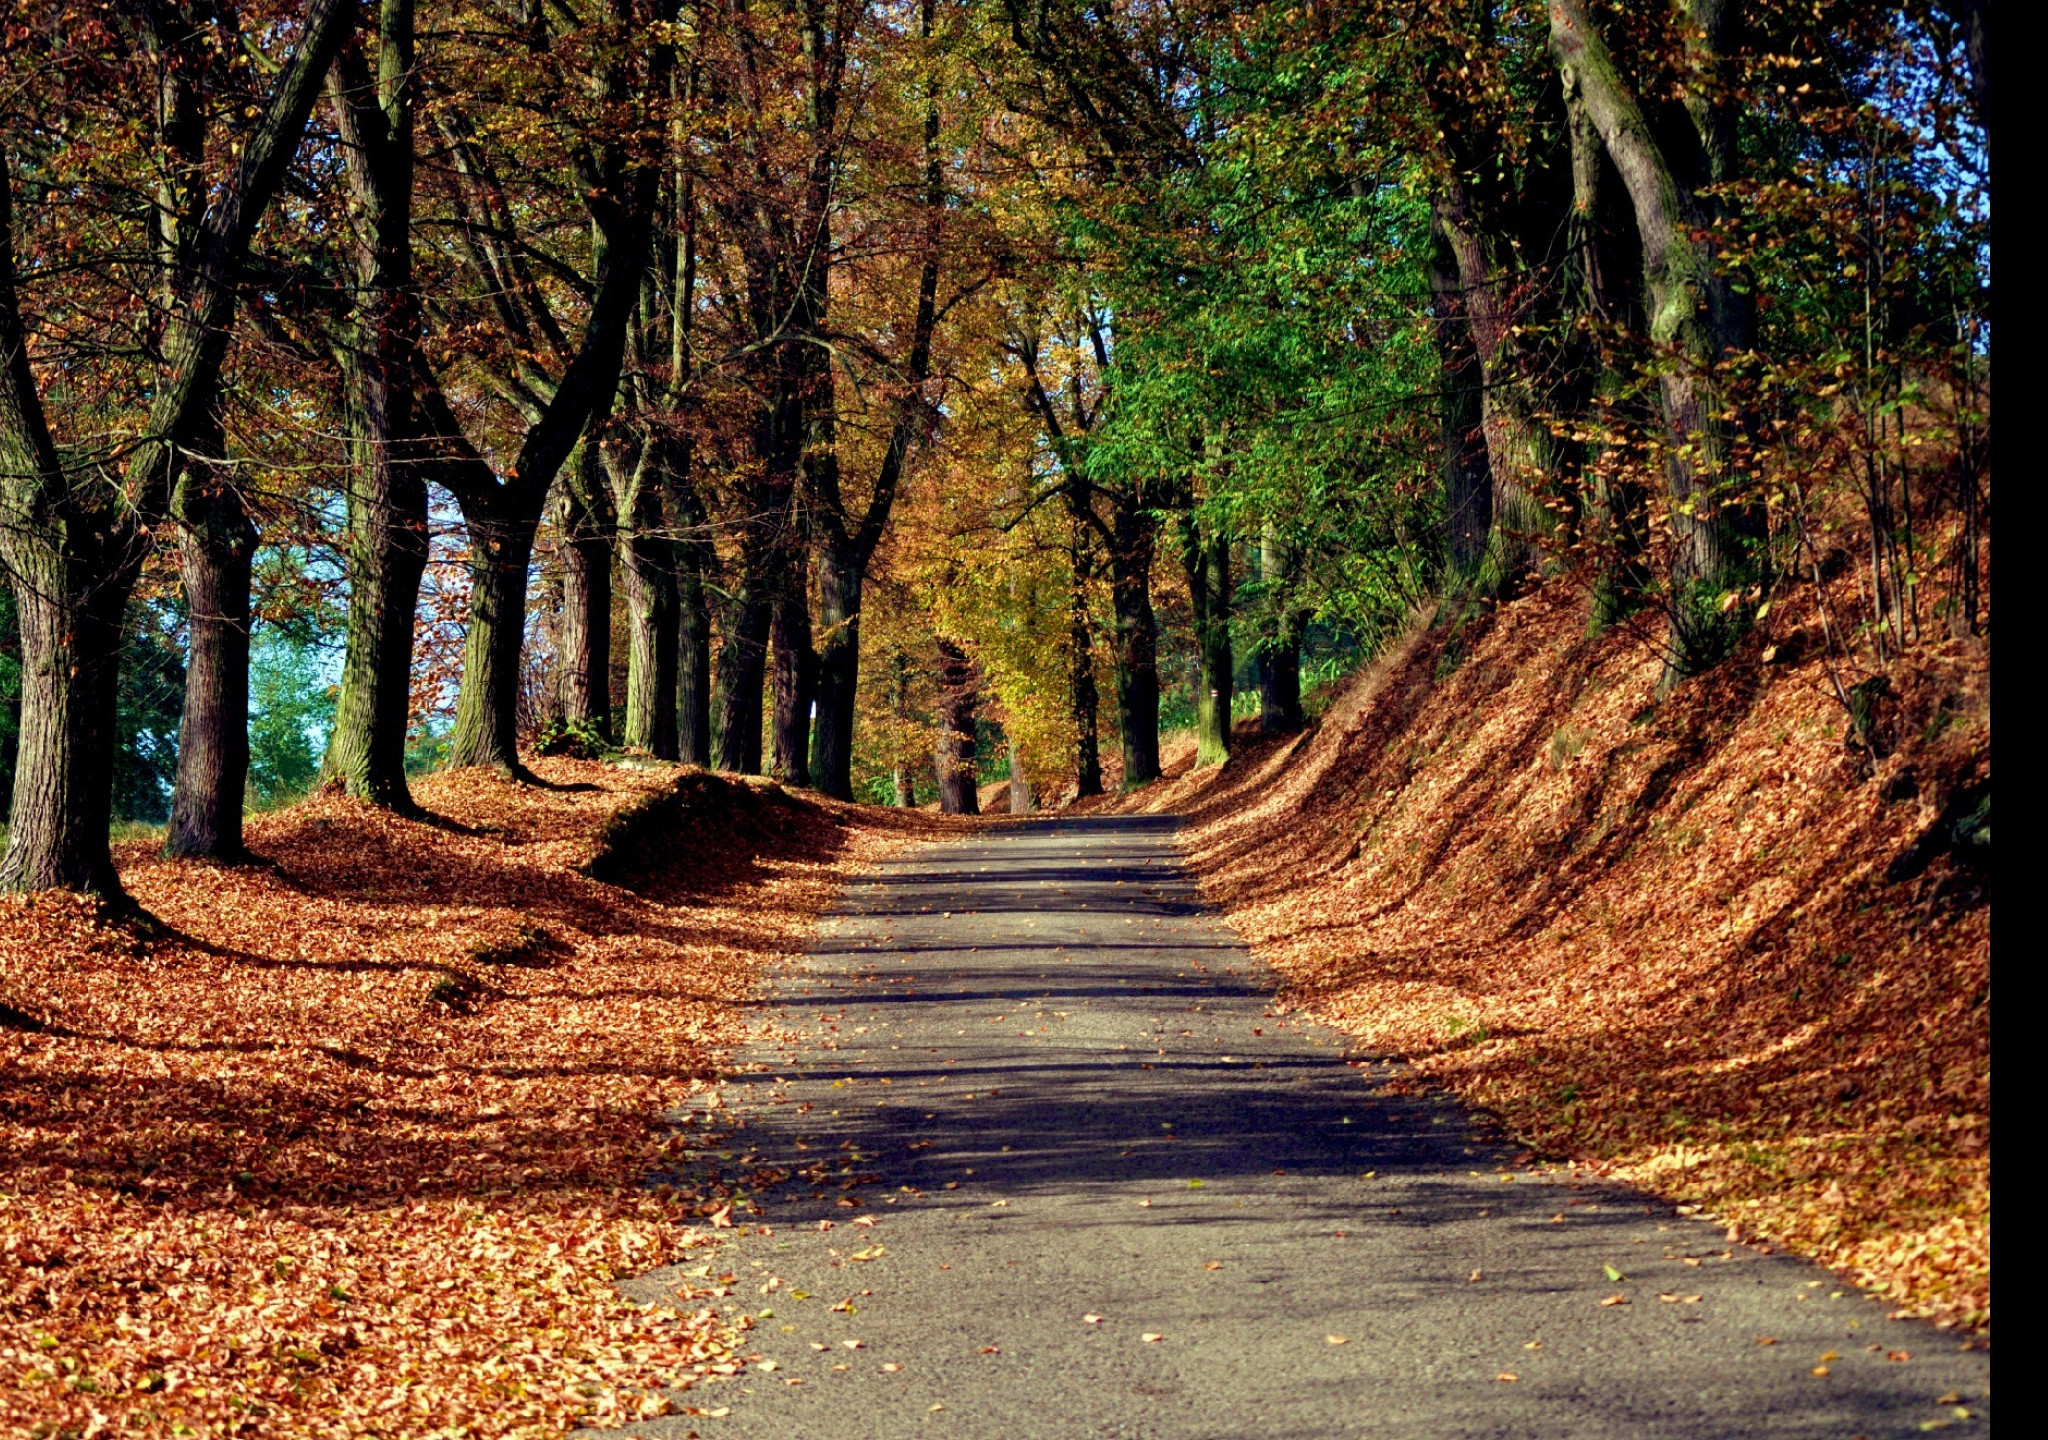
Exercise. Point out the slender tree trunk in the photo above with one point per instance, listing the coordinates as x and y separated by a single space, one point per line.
217 542
1467 480
1280 654
1084 703
839 602
648 561
1137 643
795 675
71 630
1206 558
386 494
584 512
953 756
899 685
694 557
1023 796
486 710
742 669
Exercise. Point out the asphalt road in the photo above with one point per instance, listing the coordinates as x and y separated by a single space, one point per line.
1113 1193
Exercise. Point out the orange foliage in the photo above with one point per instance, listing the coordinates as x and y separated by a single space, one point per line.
1656 935
354 1141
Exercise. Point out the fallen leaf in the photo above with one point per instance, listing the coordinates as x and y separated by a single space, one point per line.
991 1350
1334 1340
891 1367
1507 1375
1091 1319
1614 1274
1615 1300
1150 1337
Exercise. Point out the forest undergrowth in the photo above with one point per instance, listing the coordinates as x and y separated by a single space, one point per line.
353 1140
1697 942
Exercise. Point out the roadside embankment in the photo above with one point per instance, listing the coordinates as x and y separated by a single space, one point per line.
1696 940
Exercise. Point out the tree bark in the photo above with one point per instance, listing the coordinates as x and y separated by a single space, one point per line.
742 670
1695 316
217 542
1023 796
795 675
385 551
1084 702
839 605
1206 558
63 779
694 559
1467 478
1134 534
1280 654
487 707
584 514
648 556
953 755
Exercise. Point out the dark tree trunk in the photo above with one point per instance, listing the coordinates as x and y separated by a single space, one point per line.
694 558
1206 557
648 561
839 596
71 624
1467 480
1280 651
217 543
487 709
1084 702
795 676
386 494
584 513
742 670
905 782
953 755
1137 643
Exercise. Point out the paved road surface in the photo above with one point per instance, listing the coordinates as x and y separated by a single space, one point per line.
1074 1100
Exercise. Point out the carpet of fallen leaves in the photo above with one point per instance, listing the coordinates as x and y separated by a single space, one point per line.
354 1140
1657 935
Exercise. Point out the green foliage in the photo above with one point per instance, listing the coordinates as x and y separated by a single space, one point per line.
151 702
577 739
290 711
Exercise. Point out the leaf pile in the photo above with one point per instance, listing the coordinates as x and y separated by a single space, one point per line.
1697 941
354 1141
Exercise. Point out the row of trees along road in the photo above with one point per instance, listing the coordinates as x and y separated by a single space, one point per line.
901 363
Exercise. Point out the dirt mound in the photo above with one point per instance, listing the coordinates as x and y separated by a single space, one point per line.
1697 940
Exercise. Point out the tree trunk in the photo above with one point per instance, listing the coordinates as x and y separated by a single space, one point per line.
839 602
386 493
217 542
1467 480
693 657
648 556
899 685
71 625
1084 703
1207 561
796 676
1023 797
584 513
953 755
1280 654
742 669
486 711
1137 643
1695 316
